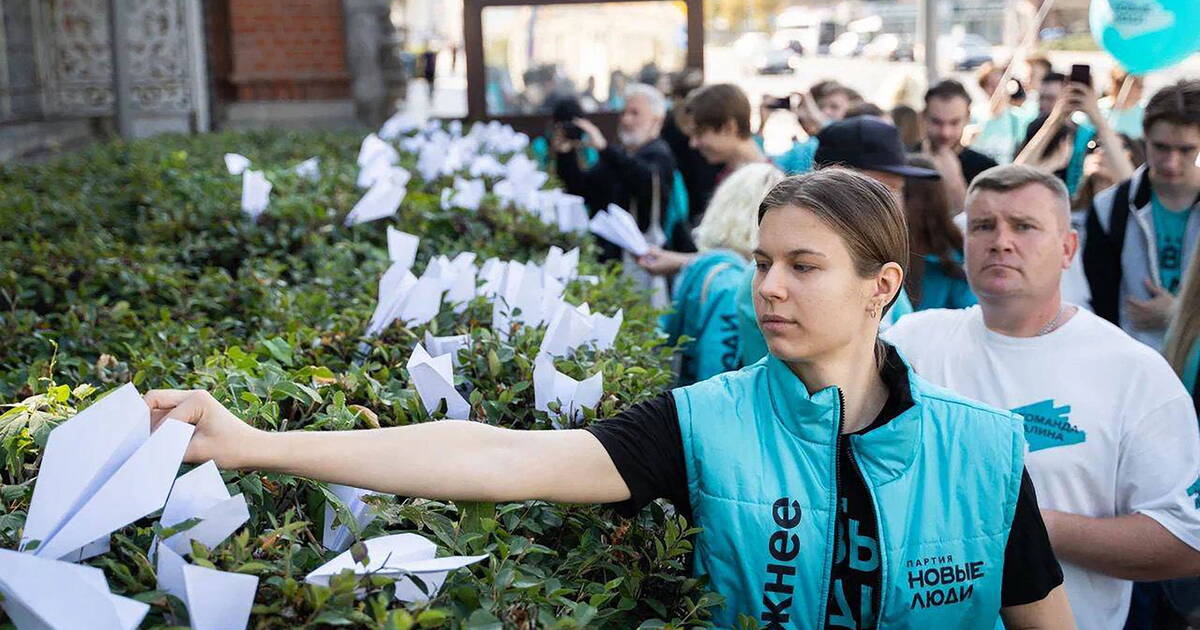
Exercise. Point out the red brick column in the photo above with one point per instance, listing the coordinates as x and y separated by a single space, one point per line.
287 50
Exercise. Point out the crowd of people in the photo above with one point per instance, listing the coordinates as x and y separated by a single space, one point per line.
940 370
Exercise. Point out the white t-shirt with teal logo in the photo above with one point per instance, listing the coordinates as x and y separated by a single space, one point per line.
1111 430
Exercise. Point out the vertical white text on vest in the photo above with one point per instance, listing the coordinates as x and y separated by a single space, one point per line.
784 547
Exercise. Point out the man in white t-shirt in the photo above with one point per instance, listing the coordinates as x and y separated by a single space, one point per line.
1114 451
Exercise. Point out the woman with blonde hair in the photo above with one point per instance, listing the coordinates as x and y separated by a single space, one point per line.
1183 337
704 306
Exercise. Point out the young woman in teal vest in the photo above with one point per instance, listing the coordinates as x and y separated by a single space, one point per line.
835 487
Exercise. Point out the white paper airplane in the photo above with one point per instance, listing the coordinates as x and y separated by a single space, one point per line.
42 594
573 396
215 600
399 556
433 378
100 471
202 494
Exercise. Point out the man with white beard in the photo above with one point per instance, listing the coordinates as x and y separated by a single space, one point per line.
624 173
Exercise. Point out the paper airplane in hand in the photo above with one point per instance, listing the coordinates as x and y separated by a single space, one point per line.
201 494
41 594
573 396
340 538
433 377
618 227
215 600
399 556
256 193
235 163
102 470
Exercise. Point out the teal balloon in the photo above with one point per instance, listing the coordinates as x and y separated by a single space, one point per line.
1146 35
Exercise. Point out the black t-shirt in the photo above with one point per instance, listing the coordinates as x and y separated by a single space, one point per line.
973 163
646 447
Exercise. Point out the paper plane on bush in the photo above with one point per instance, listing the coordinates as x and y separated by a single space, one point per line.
437 346
433 378
573 396
215 600
399 123
235 163
339 537
402 247
382 200
256 193
43 594
309 169
202 494
399 556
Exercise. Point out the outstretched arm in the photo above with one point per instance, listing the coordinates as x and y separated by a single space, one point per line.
1050 612
448 459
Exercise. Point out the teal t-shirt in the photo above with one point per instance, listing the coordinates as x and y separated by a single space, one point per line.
1169 230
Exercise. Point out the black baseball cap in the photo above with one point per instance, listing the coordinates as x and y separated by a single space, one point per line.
866 143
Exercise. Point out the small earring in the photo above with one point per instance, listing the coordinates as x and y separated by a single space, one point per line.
874 312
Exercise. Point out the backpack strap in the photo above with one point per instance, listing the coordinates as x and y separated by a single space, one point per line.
1102 255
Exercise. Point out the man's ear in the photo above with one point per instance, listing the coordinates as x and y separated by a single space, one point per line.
730 128
1070 246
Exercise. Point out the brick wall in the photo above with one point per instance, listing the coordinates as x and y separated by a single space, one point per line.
287 50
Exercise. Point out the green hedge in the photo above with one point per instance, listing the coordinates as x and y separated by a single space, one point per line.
133 262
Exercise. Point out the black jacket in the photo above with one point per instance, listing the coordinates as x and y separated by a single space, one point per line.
699 176
624 179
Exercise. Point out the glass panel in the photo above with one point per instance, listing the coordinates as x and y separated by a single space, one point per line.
534 55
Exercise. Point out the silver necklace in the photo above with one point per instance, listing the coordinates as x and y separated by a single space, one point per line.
1052 324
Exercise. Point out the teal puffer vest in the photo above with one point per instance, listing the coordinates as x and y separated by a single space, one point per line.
761 459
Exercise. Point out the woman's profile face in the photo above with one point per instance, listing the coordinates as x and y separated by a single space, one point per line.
808 297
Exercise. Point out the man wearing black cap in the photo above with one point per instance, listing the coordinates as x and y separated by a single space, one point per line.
870 145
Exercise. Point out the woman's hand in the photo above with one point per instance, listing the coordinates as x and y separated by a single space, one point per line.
663 262
219 436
